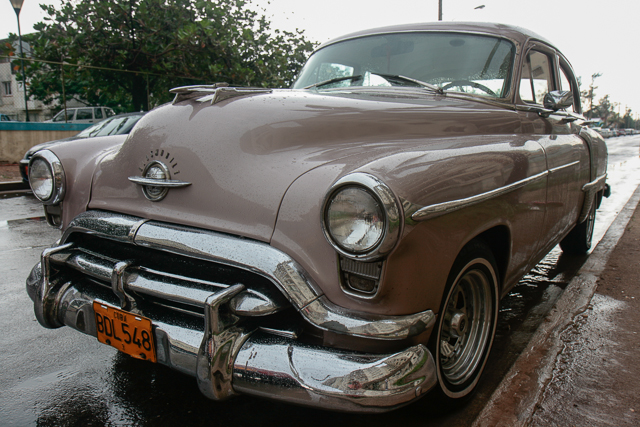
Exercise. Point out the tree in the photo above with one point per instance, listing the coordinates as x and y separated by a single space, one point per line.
589 95
157 45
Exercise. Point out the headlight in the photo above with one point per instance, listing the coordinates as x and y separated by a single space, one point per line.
361 217
355 219
46 177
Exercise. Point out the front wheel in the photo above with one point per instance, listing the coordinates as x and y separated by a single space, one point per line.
466 325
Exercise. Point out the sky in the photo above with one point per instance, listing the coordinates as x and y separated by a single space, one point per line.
596 36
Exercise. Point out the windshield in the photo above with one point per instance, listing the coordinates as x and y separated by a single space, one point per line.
113 126
466 63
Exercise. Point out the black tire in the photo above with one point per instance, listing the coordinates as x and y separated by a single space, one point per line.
579 239
466 325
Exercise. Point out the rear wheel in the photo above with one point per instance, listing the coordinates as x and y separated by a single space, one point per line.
466 325
579 239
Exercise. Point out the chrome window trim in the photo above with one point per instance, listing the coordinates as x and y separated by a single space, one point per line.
391 207
259 258
57 172
436 210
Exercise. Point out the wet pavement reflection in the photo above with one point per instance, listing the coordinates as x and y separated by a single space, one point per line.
63 378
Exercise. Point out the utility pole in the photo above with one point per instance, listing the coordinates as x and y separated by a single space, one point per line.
17 5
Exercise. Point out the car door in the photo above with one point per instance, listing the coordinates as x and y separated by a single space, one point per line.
565 151
84 115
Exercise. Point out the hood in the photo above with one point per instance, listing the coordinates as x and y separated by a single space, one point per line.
240 155
47 144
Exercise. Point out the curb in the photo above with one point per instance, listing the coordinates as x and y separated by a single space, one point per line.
13 186
514 401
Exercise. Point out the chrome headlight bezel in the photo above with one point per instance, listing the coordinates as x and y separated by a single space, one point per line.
58 187
391 210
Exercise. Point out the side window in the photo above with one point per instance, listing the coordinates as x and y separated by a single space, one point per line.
109 112
61 118
84 114
565 84
98 112
536 79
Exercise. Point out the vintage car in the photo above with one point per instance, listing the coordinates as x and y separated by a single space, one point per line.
120 124
343 244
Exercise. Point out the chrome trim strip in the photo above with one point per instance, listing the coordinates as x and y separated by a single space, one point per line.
433 211
165 183
568 165
259 258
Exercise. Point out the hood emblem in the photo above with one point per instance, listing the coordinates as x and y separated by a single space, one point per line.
156 181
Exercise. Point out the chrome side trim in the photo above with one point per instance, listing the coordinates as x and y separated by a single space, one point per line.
256 257
168 183
568 165
590 189
433 211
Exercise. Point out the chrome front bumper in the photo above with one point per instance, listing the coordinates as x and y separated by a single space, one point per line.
227 357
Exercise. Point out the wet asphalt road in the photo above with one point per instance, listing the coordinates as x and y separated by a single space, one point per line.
64 378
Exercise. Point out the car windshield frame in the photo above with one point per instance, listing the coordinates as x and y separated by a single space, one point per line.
449 61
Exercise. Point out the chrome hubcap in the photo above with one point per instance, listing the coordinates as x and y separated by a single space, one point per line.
466 326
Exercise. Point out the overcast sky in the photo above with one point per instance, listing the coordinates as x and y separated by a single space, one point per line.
596 36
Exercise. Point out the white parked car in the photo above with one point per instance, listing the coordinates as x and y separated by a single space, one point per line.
83 115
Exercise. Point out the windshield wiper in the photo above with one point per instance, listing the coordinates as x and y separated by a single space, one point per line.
435 88
334 80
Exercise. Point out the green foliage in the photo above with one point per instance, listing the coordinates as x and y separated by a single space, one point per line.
168 43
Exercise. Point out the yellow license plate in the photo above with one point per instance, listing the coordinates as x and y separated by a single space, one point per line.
129 333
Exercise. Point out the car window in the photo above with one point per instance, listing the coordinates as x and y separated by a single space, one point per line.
455 62
97 113
90 130
112 126
84 114
60 116
109 112
536 78
565 84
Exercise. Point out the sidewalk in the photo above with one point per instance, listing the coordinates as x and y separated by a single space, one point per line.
10 179
583 364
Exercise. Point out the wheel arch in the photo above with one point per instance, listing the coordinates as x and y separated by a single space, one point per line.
498 239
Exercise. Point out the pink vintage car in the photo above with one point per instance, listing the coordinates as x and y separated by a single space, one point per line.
342 244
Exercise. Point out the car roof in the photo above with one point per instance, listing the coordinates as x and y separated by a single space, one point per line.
517 34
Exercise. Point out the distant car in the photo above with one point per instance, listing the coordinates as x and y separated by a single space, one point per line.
116 125
605 132
5 118
83 115
343 244
630 131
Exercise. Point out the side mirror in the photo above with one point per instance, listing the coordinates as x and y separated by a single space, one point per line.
558 100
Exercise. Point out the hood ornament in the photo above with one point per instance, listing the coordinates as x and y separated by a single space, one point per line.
214 93
156 181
